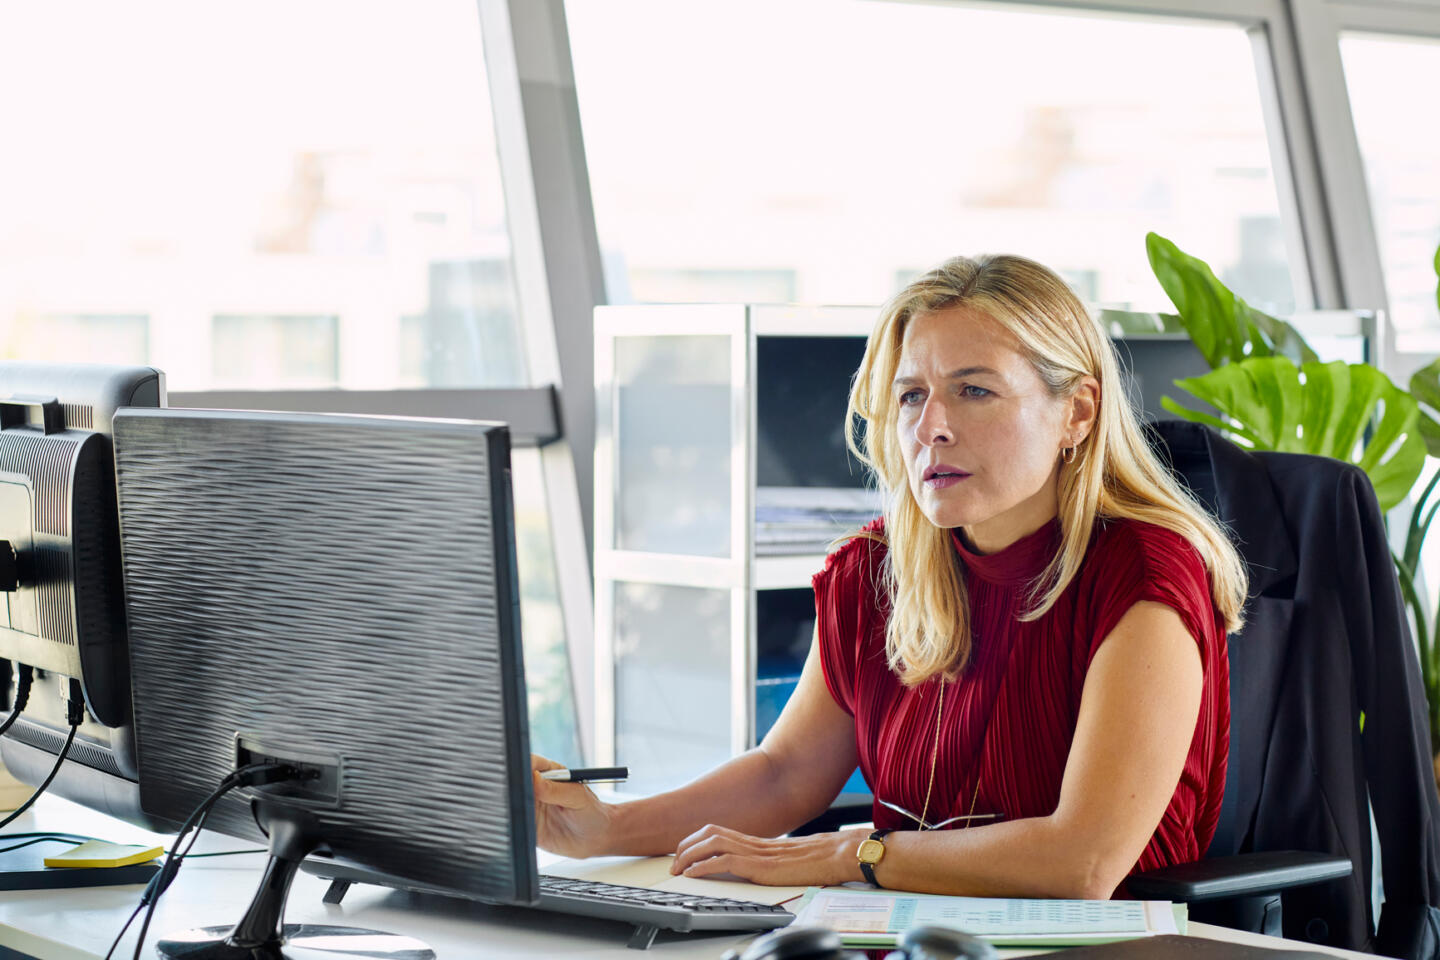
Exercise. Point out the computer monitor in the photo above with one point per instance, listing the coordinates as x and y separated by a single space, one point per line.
1151 363
63 615
338 593
801 388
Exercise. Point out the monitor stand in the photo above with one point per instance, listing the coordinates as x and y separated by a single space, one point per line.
260 935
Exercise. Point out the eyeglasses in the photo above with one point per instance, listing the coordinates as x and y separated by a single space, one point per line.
966 818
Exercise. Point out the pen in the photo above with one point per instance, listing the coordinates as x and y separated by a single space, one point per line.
587 775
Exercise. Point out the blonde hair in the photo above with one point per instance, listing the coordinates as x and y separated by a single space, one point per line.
1114 473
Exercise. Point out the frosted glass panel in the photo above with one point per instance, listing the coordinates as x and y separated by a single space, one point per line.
673 444
672 682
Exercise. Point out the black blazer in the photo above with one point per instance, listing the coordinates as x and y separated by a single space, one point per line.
1326 642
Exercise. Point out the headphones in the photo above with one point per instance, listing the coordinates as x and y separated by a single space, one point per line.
822 943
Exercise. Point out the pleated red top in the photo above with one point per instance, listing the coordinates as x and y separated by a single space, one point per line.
1009 718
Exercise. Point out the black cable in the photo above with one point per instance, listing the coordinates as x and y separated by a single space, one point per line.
251 776
30 838
49 835
116 942
64 752
74 715
161 881
29 843
180 857
22 696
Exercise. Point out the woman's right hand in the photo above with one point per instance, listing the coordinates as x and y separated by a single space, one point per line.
569 819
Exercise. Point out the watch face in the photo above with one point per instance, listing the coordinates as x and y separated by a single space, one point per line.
870 851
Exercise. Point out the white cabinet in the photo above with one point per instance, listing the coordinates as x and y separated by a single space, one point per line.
704 415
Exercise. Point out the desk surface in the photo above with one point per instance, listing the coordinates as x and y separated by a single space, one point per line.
79 924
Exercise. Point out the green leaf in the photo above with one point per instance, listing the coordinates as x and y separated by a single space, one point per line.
1430 433
1351 409
1412 600
1264 401
1200 416
1324 391
1425 387
1223 326
1425 384
1206 306
1395 454
1258 395
1422 515
1283 338
1230 390
1278 388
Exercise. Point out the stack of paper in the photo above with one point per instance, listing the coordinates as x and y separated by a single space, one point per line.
797 520
865 918
102 853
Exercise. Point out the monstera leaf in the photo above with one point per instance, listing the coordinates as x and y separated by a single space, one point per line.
1425 387
1267 403
1223 325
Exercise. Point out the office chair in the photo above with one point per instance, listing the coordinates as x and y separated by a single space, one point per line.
1327 713
1326 642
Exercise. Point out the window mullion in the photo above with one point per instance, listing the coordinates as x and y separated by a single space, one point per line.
558 284
1337 161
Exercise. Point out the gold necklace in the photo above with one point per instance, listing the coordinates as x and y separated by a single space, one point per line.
934 755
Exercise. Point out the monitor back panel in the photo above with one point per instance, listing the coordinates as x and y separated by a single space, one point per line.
57 506
340 587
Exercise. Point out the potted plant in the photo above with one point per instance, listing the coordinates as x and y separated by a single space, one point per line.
1272 392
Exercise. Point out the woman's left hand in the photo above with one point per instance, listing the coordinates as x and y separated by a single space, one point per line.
816 860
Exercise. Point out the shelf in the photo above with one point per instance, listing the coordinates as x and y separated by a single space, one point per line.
786 572
719 436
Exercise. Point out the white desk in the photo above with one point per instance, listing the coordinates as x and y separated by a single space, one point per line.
79 924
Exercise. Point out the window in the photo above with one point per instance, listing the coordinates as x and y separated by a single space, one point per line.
82 338
275 352
681 285
277 196
314 160
1401 152
847 143
467 334
553 731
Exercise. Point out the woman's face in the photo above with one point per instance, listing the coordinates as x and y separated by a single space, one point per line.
979 430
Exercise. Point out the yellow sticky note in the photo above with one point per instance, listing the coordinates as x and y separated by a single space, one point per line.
99 853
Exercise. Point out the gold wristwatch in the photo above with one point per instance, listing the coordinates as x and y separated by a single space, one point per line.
869 853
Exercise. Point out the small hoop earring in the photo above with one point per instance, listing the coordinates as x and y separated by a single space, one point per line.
1068 455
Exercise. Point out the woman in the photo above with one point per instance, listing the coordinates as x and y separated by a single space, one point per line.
1029 650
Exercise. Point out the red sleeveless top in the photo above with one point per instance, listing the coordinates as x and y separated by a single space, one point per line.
1009 718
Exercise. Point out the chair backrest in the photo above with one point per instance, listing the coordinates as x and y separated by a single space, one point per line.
1326 643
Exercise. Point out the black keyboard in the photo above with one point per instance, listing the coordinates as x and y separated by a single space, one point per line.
649 910
653 910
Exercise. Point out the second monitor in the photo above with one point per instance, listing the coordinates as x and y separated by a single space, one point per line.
337 594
